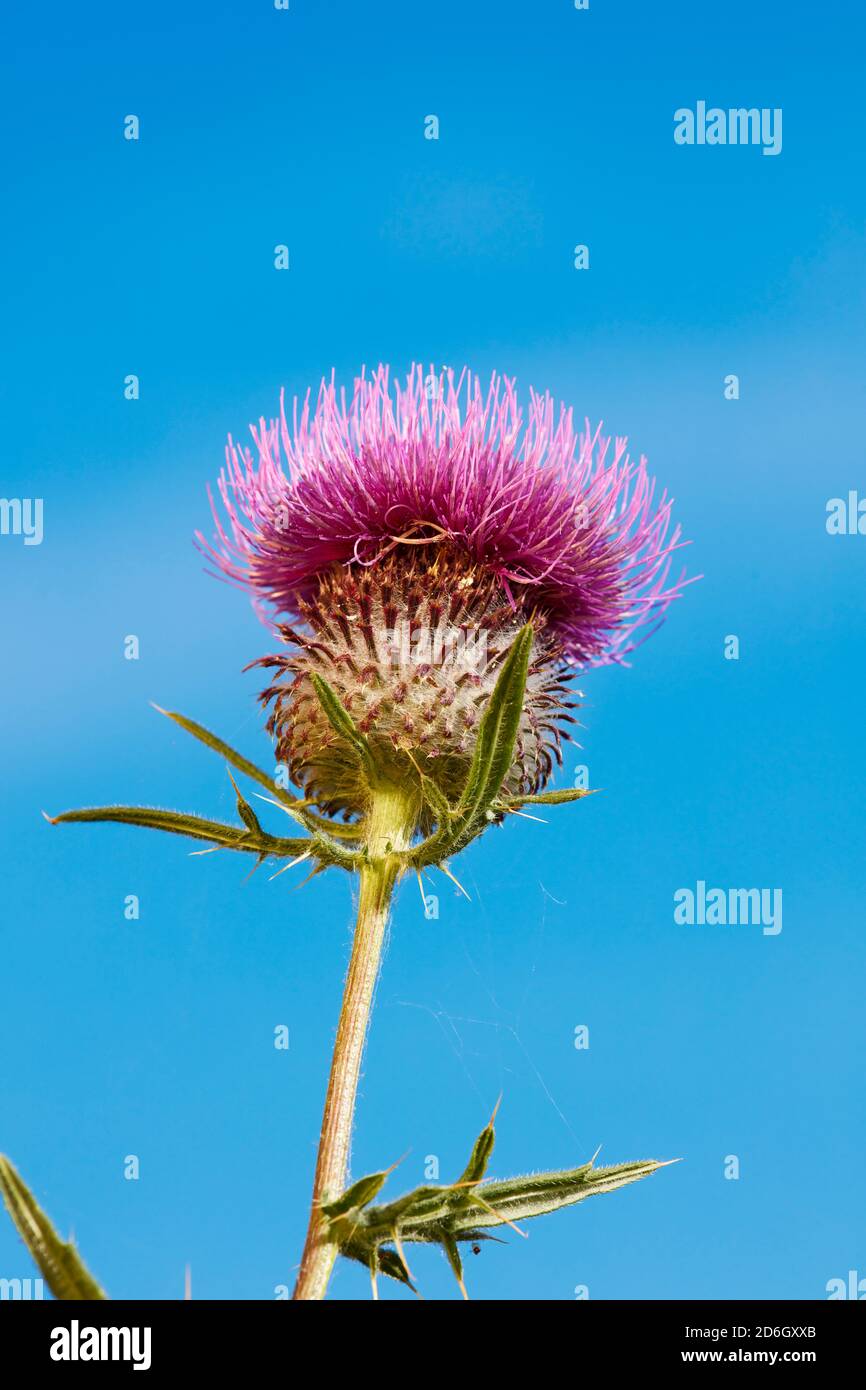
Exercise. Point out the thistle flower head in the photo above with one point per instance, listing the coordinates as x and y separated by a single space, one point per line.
565 519
401 538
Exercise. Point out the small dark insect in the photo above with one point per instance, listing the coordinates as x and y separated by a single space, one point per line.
476 1249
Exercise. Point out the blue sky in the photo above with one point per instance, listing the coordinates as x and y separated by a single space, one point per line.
155 257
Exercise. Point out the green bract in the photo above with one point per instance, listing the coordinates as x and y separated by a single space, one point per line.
335 844
58 1260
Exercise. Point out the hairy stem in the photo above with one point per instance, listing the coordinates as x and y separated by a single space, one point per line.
389 827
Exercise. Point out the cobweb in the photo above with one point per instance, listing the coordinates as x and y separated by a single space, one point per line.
502 1022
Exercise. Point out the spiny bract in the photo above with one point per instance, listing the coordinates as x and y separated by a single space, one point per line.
413 651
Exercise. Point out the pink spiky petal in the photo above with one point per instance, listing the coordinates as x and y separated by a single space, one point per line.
440 460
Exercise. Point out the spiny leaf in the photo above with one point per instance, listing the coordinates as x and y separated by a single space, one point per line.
537 1194
390 1263
449 1245
554 798
443 812
236 759
467 1209
58 1260
341 720
256 774
358 1195
497 733
180 823
248 840
422 1203
492 758
245 810
480 1156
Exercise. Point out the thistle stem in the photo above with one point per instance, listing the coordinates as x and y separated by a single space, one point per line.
389 827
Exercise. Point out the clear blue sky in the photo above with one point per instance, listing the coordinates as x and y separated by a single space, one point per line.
155 1037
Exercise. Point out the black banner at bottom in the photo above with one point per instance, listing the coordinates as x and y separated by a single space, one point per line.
81 1339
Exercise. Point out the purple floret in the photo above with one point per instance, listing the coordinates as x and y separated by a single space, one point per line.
440 461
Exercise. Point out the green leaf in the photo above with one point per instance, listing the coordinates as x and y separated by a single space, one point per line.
196 827
443 812
237 760
480 1156
358 1195
468 1209
248 840
341 720
58 1260
554 798
538 1194
449 1244
389 1263
423 1204
245 810
292 803
497 733
492 759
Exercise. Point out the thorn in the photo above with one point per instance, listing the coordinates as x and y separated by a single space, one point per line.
448 874
187 1284
413 761
159 709
50 819
495 1111
374 1282
396 1163
213 850
301 803
524 815
258 864
398 1246
319 869
279 804
420 885
300 859
499 1216
462 1287
595 1155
